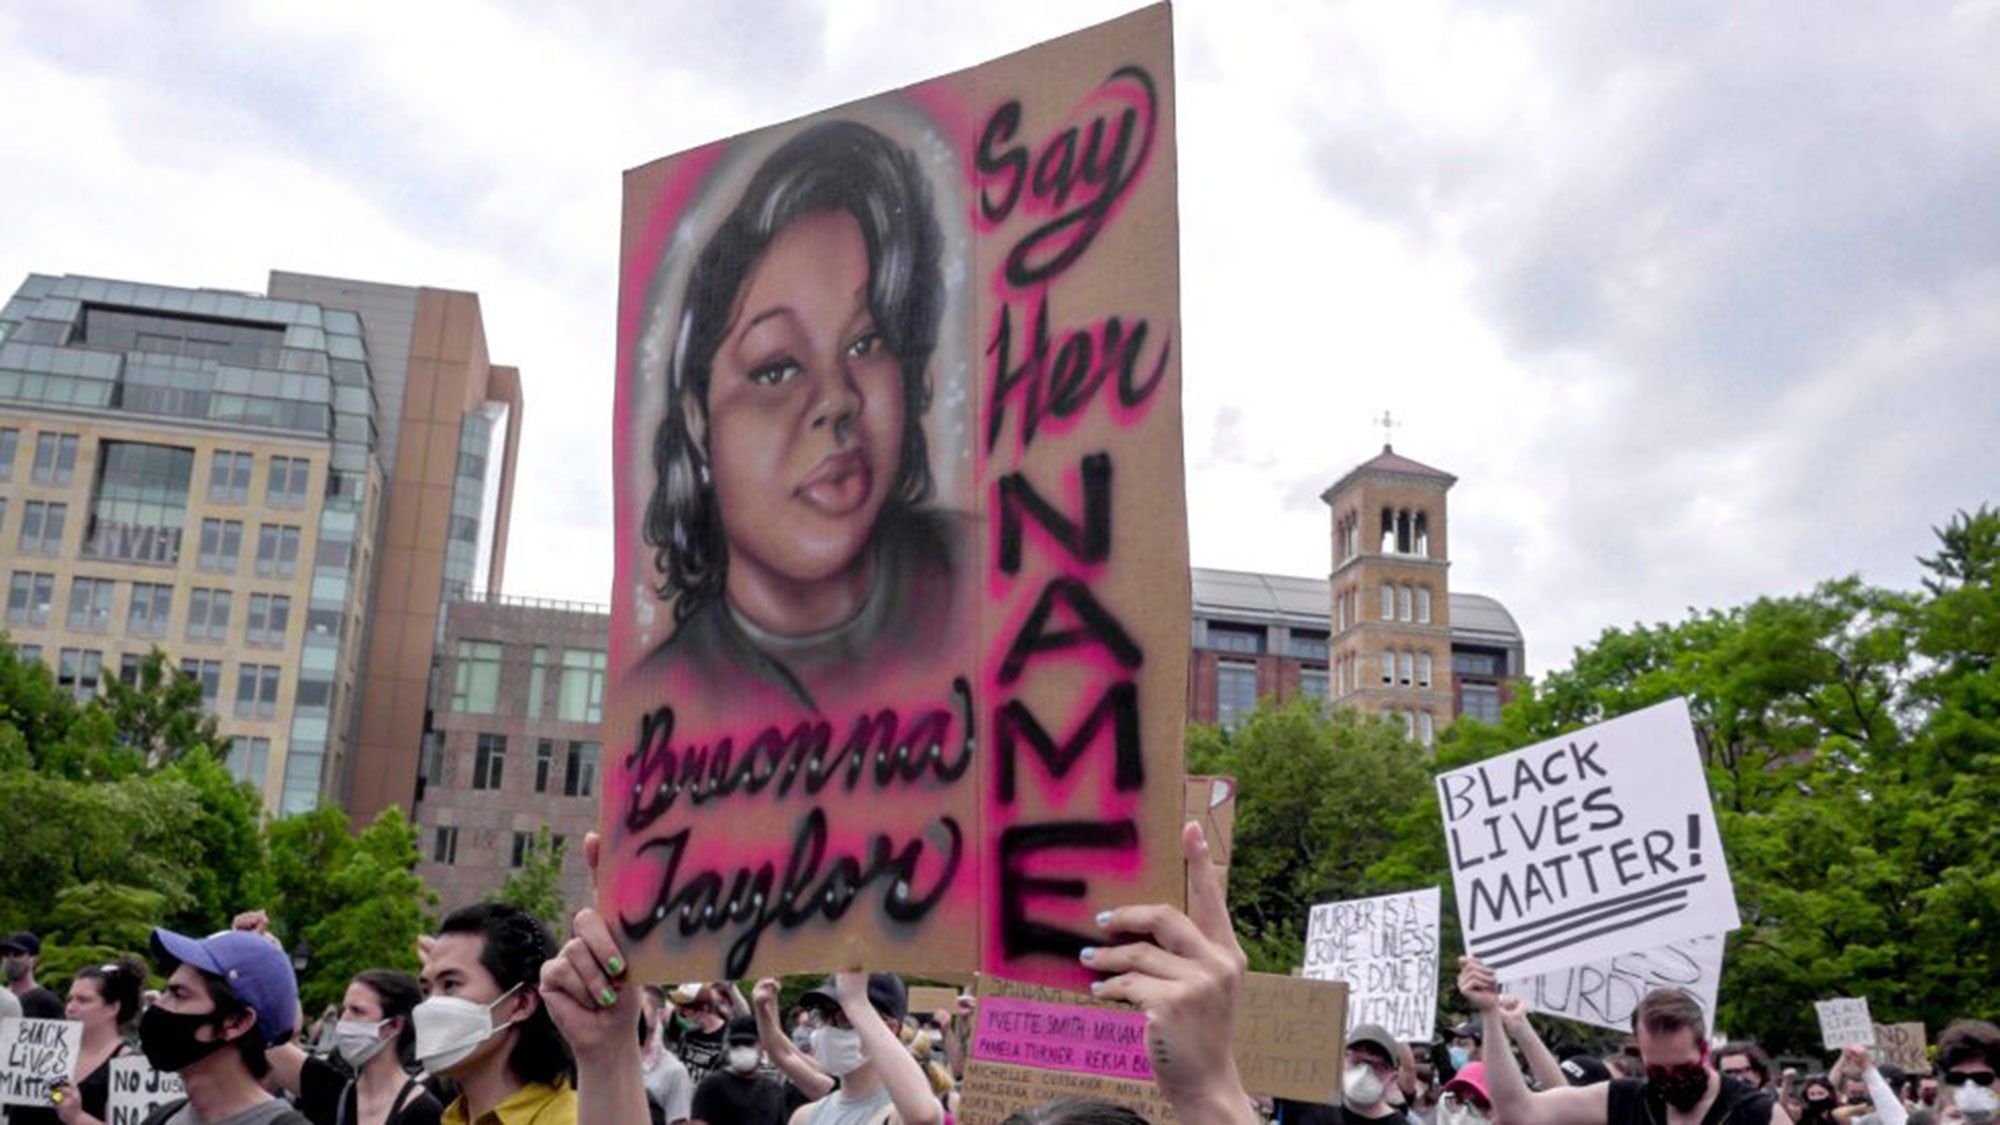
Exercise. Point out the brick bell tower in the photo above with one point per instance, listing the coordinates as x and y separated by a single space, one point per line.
1390 651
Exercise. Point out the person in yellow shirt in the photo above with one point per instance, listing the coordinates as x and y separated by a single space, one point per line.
483 1023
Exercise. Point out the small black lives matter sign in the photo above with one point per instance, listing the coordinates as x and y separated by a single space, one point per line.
1586 846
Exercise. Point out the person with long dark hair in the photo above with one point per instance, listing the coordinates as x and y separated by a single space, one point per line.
367 1080
788 515
105 1000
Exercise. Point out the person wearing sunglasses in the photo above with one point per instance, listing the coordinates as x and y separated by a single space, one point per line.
1968 1055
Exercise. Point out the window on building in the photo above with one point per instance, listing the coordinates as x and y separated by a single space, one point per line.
229 477
1388 602
580 695
545 763
580 769
1467 663
524 846
277 550
444 849
286 485
10 449
151 605
55 458
476 678
129 665
1235 638
28 598
1424 604
1307 644
257 691
249 758
1421 543
1405 603
221 545
1388 667
42 526
1235 691
1313 683
90 603
1423 669
1408 662
1481 702
538 682
78 671
489 761
29 654
270 616
208 615
1425 733
1340 612
208 673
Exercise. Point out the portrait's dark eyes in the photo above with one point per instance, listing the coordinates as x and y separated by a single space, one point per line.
775 373
868 343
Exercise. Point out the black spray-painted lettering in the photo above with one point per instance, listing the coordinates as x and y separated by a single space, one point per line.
1021 935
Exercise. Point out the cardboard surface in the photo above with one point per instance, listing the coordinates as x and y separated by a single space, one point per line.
1845 1023
1212 802
859 714
1386 949
1604 993
925 999
35 1055
1587 846
1905 1045
137 1090
1291 1035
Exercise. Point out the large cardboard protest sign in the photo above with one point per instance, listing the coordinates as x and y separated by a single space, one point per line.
1604 993
1031 1045
137 1090
899 641
1904 1045
1386 949
1587 846
1845 1023
35 1057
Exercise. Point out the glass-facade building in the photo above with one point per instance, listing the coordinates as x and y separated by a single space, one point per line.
201 472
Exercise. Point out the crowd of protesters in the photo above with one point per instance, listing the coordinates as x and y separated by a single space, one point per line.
504 1027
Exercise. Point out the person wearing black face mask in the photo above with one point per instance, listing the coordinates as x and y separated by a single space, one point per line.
1679 1087
229 997
1817 1101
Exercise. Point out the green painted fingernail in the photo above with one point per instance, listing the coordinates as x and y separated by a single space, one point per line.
617 965
607 998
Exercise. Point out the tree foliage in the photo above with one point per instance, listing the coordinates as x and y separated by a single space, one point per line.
537 885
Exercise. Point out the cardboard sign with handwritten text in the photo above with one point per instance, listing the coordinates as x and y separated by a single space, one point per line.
1904 1045
898 501
35 1056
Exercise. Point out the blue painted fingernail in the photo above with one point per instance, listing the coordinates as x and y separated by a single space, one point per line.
1088 955
1104 918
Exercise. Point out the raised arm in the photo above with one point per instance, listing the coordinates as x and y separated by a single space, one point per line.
596 1007
803 1072
1542 1062
1513 1102
894 1065
1889 1108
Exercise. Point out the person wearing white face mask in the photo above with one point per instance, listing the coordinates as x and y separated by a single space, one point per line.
1370 1068
484 1024
367 1081
856 1043
737 1094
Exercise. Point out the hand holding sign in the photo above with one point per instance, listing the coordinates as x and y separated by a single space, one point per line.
1184 972
1477 984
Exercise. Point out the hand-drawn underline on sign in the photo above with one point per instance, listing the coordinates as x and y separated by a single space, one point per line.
1501 948
1060 1037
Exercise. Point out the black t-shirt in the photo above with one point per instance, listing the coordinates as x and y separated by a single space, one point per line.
1738 1103
1312 1113
724 1098
701 1052
41 1004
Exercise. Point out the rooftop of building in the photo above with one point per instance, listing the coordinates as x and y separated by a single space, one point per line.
1389 462
1249 595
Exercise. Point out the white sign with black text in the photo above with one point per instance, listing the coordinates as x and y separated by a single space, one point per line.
1604 993
1386 949
35 1057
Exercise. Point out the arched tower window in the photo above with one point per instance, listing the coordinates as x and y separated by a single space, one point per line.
1423 534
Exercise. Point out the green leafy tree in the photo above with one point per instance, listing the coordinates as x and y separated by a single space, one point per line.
160 717
303 852
138 832
94 923
1319 797
229 875
378 906
537 885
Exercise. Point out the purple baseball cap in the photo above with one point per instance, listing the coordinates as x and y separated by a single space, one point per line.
257 971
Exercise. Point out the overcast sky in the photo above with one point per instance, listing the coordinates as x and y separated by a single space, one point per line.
1699 302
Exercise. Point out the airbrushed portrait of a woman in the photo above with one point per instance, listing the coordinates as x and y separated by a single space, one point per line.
811 550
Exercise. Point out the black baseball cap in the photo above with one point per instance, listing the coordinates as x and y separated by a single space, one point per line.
23 942
886 995
1585 1070
742 1029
